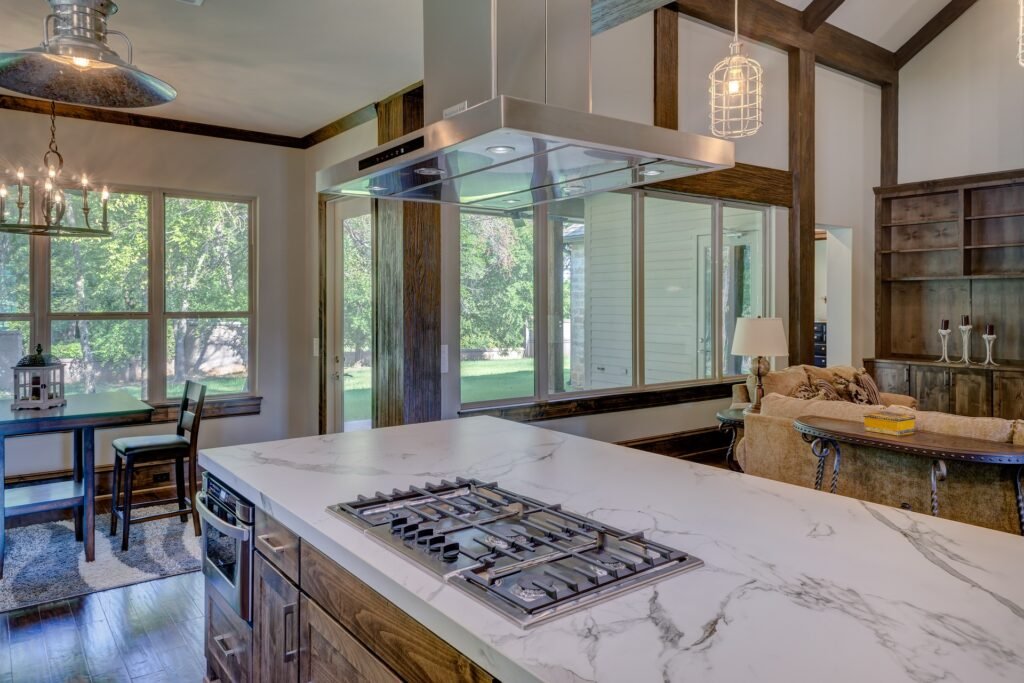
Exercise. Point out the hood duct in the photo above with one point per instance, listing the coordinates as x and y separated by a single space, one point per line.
507 108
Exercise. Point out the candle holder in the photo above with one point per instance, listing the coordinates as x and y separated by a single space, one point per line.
965 334
944 338
989 341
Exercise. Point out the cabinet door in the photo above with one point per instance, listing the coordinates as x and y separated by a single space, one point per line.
893 378
275 625
228 642
930 386
1008 395
330 654
972 393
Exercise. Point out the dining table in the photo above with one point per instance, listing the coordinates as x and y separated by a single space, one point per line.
82 416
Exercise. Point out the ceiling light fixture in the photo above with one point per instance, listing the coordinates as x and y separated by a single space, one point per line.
74 63
735 89
501 149
651 172
43 209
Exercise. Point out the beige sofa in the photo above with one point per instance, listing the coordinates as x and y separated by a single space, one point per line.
975 493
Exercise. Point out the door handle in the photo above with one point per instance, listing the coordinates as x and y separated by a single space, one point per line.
276 548
289 633
226 650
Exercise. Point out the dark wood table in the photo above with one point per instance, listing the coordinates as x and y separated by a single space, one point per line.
82 416
825 434
731 421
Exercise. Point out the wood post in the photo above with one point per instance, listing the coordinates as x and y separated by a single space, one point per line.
801 215
890 133
407 291
666 68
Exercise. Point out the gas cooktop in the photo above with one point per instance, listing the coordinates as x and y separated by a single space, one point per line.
528 560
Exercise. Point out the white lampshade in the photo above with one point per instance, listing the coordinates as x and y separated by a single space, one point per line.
760 337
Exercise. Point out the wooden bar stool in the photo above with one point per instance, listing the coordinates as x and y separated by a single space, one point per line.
134 452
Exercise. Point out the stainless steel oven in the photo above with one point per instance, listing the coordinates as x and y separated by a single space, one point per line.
227 543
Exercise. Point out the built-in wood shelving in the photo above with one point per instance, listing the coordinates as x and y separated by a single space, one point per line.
946 248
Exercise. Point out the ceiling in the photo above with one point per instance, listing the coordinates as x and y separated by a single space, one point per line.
275 66
292 66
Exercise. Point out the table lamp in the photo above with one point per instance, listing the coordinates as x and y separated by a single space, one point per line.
758 338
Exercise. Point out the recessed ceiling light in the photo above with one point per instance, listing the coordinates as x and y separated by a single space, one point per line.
511 201
376 188
429 171
501 149
651 172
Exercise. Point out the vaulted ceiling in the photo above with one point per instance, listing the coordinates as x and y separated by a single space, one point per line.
291 67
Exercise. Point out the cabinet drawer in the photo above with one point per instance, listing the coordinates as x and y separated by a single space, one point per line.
278 544
820 349
331 655
410 649
275 625
228 642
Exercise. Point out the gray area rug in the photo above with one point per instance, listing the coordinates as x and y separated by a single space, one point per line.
45 563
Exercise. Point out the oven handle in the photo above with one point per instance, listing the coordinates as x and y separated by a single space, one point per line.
207 515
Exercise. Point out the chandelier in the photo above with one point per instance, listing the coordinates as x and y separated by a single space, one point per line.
736 90
74 63
42 207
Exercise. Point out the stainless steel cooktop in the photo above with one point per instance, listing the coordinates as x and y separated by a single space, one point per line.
528 560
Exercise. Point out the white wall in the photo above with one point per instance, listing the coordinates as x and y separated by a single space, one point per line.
820 280
962 98
848 115
622 64
135 156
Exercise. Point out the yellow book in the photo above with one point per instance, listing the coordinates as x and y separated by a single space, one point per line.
889 422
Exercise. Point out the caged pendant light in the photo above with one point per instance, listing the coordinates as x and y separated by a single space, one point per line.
736 90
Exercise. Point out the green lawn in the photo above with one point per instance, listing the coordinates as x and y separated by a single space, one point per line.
482 380
214 385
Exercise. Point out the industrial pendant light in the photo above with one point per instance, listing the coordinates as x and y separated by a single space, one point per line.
74 64
735 89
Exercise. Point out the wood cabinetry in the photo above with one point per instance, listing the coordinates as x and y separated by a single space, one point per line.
331 655
945 248
228 642
312 621
974 391
275 625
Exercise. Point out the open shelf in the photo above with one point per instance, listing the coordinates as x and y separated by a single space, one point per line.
920 250
23 500
923 221
1010 214
1005 245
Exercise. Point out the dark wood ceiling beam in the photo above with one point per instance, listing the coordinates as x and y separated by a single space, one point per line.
930 31
124 118
818 12
606 14
781 26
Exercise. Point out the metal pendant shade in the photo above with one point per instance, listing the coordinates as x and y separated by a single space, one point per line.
75 65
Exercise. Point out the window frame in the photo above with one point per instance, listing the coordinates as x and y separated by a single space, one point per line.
41 316
542 305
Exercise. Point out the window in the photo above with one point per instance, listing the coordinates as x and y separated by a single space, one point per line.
106 303
640 289
497 307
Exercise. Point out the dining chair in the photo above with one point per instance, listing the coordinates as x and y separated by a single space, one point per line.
137 452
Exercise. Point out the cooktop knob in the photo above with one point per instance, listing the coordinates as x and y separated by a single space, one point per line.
450 552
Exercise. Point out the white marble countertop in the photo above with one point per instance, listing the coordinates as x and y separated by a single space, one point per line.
798 585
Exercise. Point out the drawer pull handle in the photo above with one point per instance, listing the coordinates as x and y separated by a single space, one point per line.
224 648
289 633
266 538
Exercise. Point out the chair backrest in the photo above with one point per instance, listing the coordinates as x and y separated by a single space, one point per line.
191 412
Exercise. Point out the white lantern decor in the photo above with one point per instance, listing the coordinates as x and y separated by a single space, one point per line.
38 382
736 91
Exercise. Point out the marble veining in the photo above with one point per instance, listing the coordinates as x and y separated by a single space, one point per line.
798 585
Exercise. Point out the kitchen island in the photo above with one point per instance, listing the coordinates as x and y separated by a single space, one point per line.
797 585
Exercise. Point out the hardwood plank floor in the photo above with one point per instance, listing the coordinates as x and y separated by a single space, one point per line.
150 632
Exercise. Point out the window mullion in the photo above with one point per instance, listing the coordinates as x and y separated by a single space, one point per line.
156 339
542 270
718 265
639 359
39 288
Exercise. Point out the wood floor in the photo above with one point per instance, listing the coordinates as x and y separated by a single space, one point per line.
151 632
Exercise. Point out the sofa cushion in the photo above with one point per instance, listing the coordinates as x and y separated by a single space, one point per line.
785 382
792 408
1017 437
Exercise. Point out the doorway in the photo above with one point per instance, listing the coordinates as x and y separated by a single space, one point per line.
349 342
833 293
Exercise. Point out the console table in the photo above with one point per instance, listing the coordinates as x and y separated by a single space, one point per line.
825 434
731 421
82 415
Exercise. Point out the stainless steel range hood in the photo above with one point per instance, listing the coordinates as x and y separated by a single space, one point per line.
517 72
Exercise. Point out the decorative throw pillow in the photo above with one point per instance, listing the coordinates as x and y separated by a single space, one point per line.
827 391
869 388
806 392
